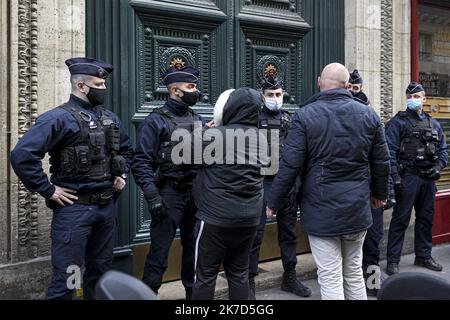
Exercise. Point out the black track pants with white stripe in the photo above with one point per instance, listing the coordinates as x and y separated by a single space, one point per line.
227 246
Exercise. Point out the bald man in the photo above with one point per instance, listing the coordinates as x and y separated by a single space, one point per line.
337 147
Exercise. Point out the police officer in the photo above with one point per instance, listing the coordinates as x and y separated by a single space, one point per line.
356 88
166 186
273 118
418 155
90 156
371 247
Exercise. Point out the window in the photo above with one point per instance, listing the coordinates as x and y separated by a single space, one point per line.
425 47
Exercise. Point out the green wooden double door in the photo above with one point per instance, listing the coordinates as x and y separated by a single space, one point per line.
233 43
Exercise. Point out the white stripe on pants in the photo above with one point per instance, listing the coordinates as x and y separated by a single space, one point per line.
339 264
202 226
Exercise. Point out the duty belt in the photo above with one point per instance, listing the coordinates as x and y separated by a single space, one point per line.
101 199
416 171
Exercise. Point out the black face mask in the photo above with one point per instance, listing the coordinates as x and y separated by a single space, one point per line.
96 96
360 95
190 98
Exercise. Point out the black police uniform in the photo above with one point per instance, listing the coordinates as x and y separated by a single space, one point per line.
355 78
155 173
88 148
418 152
371 247
287 217
271 122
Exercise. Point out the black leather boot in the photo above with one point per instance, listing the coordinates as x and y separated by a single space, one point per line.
392 268
292 284
428 263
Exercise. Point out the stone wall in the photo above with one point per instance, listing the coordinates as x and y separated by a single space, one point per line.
363 44
378 44
43 34
402 52
3 132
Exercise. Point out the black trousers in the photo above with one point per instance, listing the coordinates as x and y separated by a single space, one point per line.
81 234
287 237
419 193
227 246
181 210
371 247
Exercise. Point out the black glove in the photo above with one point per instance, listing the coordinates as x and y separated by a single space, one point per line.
433 173
156 205
118 165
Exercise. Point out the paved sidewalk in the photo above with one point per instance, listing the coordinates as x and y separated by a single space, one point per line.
440 253
269 280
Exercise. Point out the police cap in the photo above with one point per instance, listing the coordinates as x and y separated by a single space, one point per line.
414 87
89 66
355 77
186 74
271 83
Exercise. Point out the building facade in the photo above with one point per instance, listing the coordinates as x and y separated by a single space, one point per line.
234 43
431 62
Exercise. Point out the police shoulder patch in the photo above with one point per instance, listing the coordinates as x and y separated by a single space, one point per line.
286 116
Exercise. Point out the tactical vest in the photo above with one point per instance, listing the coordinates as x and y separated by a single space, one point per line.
270 123
279 122
420 143
90 159
173 122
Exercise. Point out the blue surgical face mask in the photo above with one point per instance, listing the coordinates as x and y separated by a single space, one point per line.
414 104
271 104
274 104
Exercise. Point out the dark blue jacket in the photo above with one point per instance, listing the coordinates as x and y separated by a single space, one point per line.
338 148
394 132
149 138
52 130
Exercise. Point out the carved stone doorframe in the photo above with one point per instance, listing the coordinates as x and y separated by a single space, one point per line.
37 37
27 229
